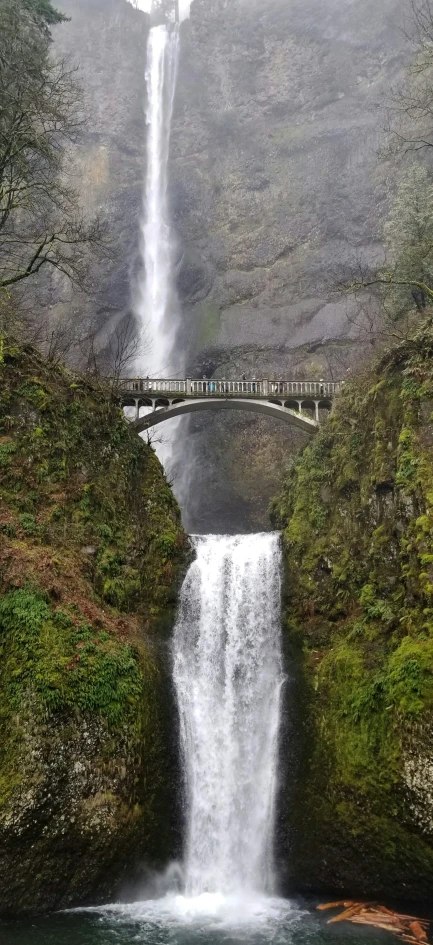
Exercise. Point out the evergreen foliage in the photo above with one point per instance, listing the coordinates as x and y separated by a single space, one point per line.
44 13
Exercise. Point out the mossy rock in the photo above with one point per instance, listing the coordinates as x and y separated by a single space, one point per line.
91 555
356 512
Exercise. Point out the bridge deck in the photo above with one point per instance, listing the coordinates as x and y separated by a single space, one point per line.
251 388
291 401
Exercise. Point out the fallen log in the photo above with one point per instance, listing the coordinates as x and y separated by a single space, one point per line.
407 927
335 905
418 931
348 913
377 924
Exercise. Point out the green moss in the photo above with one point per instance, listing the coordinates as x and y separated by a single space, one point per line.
74 474
356 512
209 323
92 552
65 664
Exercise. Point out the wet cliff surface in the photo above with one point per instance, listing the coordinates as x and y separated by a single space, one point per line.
277 188
105 41
356 513
91 555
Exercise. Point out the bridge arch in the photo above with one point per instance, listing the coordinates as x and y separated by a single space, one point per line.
270 408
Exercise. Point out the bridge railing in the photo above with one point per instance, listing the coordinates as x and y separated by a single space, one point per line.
253 387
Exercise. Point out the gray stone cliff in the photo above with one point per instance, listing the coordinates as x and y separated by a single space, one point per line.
276 189
106 41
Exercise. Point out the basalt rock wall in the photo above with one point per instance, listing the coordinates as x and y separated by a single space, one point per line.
106 41
277 189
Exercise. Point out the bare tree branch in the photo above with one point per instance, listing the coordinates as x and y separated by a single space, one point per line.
41 223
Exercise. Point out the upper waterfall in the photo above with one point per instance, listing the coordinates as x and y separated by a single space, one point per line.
228 678
146 6
157 305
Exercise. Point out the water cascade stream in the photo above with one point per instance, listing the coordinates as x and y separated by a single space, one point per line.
227 660
157 306
228 679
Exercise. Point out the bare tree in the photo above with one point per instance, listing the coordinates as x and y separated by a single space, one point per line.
402 287
117 356
41 223
410 115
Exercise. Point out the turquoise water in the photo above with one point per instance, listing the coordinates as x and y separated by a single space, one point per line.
176 921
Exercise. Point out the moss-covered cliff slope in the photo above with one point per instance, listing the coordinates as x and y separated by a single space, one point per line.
91 547
357 515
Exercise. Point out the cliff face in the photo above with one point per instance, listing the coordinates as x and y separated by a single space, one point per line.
91 550
274 170
106 41
356 511
276 189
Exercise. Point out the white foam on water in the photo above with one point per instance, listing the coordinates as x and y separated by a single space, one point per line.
211 911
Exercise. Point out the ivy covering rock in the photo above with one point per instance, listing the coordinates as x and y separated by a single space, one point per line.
91 554
357 517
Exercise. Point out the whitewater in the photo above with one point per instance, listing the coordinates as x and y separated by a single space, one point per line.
228 677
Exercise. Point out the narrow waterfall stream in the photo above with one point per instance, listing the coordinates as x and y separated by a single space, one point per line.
157 307
228 678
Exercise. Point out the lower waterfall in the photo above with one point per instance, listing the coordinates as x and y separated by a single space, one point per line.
228 677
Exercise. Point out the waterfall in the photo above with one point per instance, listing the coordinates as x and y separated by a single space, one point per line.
228 679
157 306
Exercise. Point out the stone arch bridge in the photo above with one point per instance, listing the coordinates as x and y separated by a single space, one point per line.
300 403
